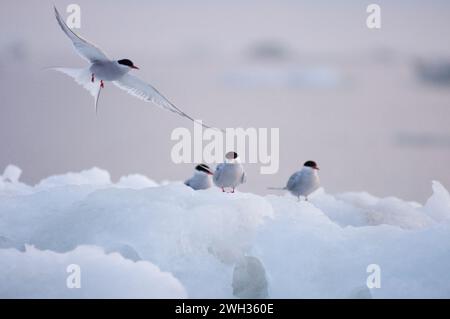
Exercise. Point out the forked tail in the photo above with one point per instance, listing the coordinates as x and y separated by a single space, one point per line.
84 78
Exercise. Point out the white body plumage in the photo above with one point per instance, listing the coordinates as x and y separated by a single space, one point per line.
202 178
229 174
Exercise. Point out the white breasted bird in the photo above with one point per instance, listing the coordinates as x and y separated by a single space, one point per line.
101 69
229 174
202 178
303 182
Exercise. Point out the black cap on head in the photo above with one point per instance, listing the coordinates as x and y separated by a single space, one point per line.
126 62
203 168
231 155
311 164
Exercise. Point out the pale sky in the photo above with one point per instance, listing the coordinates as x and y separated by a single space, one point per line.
341 94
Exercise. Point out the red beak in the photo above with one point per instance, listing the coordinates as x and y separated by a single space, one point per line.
134 67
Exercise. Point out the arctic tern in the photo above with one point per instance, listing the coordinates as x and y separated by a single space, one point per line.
102 69
229 174
202 178
303 182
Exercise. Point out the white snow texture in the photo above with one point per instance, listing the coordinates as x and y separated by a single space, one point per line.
139 239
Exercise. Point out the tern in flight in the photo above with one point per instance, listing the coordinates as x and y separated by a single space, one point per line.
101 69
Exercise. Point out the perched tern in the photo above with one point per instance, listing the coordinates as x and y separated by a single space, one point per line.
303 182
102 69
202 178
229 174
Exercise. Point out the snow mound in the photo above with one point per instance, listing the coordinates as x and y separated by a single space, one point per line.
12 173
9 182
45 274
135 181
93 177
309 255
217 245
438 205
362 209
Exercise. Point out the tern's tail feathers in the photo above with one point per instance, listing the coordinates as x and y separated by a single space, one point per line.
84 78
277 188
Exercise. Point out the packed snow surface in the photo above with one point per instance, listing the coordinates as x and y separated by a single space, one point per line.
139 239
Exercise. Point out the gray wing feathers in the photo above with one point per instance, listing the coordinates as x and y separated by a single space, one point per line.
85 49
293 180
218 172
144 91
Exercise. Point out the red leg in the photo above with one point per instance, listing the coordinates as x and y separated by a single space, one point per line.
92 78
102 85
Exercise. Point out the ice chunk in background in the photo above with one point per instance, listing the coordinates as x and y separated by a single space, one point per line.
316 249
43 274
393 211
9 182
12 174
341 210
438 205
362 209
135 181
93 177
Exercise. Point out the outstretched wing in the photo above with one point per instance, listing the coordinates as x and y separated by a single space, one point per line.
85 49
144 91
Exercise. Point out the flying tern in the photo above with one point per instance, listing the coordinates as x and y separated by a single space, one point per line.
101 69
